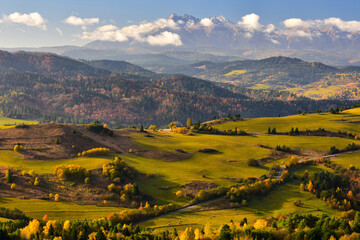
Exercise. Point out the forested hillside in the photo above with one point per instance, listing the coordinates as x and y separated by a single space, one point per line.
55 88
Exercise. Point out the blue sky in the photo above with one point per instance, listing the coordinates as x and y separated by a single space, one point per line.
49 28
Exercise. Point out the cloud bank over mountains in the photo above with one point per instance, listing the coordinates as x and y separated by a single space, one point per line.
248 32
189 31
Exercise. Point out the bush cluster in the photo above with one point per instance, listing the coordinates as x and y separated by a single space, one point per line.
94 152
252 162
117 170
283 148
205 195
127 193
181 130
98 128
71 173
348 148
18 148
237 194
12 214
144 212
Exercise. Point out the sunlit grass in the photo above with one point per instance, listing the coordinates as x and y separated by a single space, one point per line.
279 201
345 121
11 159
11 122
36 208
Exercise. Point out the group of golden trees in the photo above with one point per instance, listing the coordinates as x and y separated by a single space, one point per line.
71 172
94 152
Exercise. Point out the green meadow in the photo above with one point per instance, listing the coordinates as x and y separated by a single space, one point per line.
14 160
37 208
220 168
345 160
279 201
345 121
11 122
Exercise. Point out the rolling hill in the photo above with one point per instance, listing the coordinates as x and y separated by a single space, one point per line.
311 79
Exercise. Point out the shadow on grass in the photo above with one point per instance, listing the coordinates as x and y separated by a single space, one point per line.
263 167
159 191
4 200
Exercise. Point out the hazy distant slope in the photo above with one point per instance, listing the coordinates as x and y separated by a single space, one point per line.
284 70
310 79
120 66
47 64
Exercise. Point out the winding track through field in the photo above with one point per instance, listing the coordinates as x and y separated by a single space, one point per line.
278 176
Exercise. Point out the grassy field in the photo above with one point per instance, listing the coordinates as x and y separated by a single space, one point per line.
12 159
278 202
220 168
10 122
345 121
37 208
235 72
346 160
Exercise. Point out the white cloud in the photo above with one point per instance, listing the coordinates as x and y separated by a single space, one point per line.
206 22
297 22
59 31
140 33
300 33
347 26
32 19
165 38
76 21
250 22
269 28
105 33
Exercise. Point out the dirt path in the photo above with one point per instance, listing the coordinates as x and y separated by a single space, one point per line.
182 209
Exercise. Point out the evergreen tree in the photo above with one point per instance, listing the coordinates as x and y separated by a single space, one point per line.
291 133
225 233
297 131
